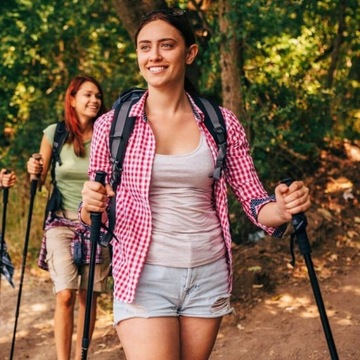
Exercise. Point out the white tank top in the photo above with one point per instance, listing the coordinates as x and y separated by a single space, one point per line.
186 230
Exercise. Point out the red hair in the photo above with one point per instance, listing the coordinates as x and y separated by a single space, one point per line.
71 118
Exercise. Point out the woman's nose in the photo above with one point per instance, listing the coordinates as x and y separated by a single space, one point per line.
95 98
155 54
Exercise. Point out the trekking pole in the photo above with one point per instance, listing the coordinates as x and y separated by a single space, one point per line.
34 181
299 223
3 224
94 239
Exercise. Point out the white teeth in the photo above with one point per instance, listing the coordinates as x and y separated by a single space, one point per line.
156 69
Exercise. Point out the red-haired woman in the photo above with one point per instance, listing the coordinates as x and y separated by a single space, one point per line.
63 233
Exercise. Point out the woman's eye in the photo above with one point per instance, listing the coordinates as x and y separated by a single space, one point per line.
167 45
144 47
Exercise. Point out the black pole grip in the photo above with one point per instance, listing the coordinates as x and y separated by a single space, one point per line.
299 222
100 177
35 178
5 201
6 189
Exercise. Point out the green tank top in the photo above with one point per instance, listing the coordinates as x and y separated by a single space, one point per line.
72 173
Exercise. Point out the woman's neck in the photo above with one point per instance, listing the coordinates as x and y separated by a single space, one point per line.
166 102
86 131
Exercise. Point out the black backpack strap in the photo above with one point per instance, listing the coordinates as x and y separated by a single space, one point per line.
60 137
54 199
132 93
215 123
120 131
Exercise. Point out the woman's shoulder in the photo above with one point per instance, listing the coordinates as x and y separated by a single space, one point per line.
103 123
105 119
228 114
51 128
49 132
230 118
234 128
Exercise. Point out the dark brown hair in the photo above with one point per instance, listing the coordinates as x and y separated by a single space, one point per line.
175 17
179 20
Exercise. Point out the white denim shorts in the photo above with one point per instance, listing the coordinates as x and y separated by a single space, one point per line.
165 291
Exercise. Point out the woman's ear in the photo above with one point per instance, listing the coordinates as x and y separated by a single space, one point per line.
72 101
191 53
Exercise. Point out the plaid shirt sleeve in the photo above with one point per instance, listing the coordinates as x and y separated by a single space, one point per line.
242 176
99 152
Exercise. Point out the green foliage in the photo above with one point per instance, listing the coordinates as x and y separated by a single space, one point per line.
46 43
287 53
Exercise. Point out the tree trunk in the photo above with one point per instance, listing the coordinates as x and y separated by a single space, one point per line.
130 12
337 43
230 61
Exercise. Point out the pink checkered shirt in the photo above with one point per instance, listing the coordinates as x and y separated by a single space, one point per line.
133 213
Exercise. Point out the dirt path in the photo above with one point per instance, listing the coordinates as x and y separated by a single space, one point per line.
276 314
285 325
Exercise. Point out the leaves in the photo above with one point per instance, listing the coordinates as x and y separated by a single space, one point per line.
285 55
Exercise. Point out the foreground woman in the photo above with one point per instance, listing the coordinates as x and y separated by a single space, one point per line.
172 263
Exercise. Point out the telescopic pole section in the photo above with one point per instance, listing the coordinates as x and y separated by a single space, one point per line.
33 187
3 224
299 222
94 239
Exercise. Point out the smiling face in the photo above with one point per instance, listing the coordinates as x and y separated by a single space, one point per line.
162 54
87 101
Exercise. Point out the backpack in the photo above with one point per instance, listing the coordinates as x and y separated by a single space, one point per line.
121 129
55 200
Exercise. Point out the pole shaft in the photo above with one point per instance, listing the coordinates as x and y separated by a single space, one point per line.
95 231
33 187
321 307
3 224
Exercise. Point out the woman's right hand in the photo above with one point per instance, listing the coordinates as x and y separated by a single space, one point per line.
35 166
95 196
94 199
7 179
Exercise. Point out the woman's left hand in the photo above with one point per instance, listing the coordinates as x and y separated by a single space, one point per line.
292 199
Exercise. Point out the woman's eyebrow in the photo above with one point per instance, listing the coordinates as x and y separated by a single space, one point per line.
158 40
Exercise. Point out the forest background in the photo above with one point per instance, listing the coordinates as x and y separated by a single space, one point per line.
290 70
